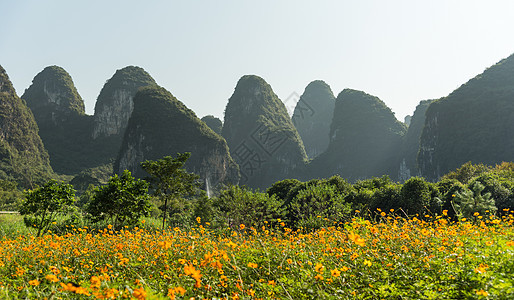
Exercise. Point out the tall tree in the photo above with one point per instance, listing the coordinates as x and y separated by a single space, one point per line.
170 180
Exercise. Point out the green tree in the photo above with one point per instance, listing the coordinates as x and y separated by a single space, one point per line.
121 202
473 200
42 205
416 197
170 180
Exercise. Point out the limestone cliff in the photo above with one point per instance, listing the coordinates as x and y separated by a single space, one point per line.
474 123
214 123
53 98
261 136
22 155
63 125
115 102
365 139
410 148
312 117
161 125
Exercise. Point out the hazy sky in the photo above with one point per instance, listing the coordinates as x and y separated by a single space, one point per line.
399 51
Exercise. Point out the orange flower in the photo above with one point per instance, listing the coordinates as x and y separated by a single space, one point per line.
51 278
139 293
242 226
34 282
252 265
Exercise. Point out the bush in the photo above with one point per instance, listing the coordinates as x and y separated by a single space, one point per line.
239 205
42 205
317 206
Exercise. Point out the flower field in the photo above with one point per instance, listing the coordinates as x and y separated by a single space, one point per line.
391 257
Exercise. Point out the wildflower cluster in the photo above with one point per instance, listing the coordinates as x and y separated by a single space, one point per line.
390 257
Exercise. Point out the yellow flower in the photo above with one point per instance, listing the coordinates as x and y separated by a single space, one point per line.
335 273
482 293
242 226
367 263
319 267
198 219
252 265
356 239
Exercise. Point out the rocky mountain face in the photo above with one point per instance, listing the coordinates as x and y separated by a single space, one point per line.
261 136
365 139
474 123
115 102
312 117
63 125
22 155
161 125
214 123
53 98
409 165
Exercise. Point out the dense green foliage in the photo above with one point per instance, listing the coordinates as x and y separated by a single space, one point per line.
161 125
474 123
122 202
365 139
10 197
171 182
42 205
23 157
240 205
312 117
214 123
260 134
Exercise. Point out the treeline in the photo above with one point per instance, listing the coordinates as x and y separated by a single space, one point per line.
175 196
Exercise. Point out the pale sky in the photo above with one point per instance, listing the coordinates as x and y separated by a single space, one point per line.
400 51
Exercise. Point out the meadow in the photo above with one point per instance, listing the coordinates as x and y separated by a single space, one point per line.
390 257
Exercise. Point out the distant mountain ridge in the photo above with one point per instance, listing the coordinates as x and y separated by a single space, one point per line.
23 157
161 125
365 139
313 115
474 123
260 134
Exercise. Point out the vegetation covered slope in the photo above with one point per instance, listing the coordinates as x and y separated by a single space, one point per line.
52 97
63 125
411 141
365 139
260 134
161 125
214 123
22 155
474 123
312 116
